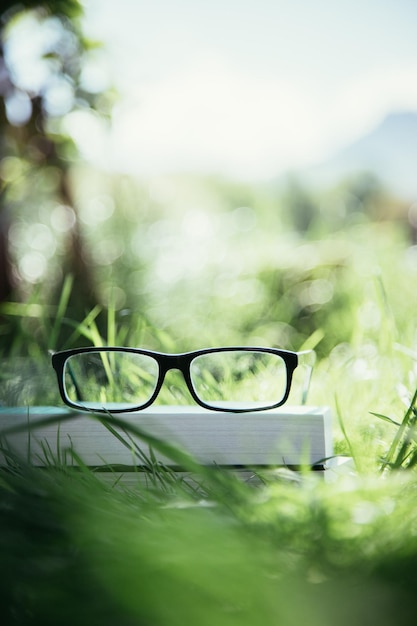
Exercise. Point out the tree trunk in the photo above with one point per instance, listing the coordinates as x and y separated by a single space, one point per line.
6 281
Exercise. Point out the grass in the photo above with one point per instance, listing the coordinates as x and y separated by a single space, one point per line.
213 549
76 548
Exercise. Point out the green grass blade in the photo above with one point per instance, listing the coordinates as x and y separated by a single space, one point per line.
62 307
385 418
393 457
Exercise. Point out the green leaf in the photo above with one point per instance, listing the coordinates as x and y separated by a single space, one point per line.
385 418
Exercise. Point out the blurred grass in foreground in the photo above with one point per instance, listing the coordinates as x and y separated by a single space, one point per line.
75 549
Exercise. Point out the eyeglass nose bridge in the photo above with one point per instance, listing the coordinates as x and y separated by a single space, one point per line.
179 362
169 362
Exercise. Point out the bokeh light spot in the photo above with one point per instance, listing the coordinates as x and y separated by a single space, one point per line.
33 266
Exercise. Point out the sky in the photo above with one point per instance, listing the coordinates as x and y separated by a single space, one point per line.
250 88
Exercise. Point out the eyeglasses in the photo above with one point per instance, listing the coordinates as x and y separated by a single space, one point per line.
118 380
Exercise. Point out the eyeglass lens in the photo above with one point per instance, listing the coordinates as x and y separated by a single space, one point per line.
110 380
239 379
121 380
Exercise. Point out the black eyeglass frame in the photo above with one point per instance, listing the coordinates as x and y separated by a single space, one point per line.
166 361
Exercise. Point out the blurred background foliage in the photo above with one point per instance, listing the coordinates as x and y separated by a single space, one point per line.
202 259
44 87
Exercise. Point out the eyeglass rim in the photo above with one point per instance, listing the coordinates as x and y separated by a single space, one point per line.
184 360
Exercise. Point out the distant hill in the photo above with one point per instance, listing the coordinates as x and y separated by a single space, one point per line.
389 152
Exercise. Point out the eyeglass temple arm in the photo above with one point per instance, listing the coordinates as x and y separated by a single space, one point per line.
306 359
